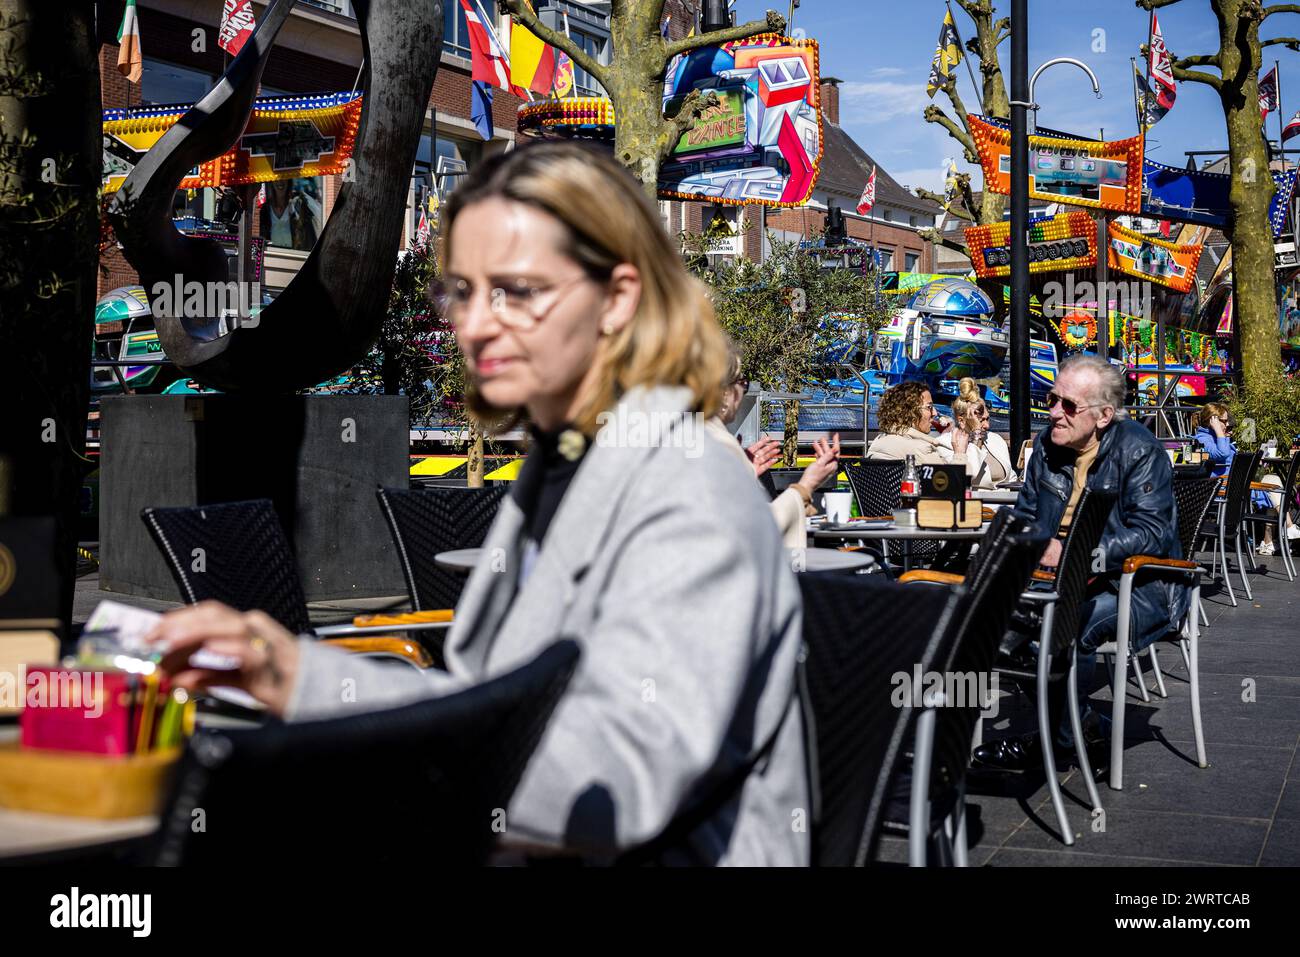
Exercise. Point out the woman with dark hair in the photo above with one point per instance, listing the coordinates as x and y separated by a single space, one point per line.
905 417
627 529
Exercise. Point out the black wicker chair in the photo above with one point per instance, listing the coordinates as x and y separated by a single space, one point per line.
426 521
876 487
237 553
1058 632
421 785
1276 517
860 632
1227 526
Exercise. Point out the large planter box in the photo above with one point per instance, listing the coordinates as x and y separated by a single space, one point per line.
319 458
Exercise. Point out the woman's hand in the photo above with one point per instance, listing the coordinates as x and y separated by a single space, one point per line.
763 454
1218 427
960 439
262 655
826 462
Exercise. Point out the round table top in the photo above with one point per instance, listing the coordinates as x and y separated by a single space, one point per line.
830 560
899 533
459 559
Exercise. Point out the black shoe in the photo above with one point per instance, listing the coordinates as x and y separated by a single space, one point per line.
1019 753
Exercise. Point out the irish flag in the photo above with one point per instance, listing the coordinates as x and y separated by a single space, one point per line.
130 61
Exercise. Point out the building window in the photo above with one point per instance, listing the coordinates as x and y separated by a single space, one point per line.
455 34
911 220
889 215
912 260
584 81
163 83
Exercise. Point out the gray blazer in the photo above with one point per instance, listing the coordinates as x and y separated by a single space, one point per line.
664 563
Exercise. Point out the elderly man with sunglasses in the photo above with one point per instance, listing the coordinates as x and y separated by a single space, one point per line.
1091 444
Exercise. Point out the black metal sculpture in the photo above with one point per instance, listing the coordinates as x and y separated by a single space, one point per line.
330 313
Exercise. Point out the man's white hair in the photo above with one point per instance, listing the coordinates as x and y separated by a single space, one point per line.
1110 380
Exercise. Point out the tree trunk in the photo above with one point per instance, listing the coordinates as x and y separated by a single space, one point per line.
790 441
474 468
49 224
1254 287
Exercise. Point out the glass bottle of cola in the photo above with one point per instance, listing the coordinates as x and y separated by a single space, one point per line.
910 489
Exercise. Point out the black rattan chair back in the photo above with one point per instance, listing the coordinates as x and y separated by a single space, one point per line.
1192 498
233 552
1006 559
421 785
861 633
1240 475
427 521
1076 565
875 485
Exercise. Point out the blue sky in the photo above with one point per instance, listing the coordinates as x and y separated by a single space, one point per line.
882 49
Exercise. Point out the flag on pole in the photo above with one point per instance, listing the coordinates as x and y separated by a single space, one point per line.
1162 72
480 108
1150 107
237 25
487 62
1292 127
261 196
130 61
564 80
663 29
950 184
422 230
532 61
1268 94
868 198
947 54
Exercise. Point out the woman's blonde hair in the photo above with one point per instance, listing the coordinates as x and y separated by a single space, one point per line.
1209 411
673 339
967 401
900 407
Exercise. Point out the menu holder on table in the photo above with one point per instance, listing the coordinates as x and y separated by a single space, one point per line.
942 513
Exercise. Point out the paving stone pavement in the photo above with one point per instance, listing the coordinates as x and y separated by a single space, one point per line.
1243 810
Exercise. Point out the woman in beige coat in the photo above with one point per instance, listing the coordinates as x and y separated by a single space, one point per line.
905 416
988 458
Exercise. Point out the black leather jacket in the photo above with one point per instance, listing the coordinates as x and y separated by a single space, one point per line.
1132 464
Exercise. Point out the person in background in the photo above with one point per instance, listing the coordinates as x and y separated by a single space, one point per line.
1210 425
627 530
793 505
986 451
906 416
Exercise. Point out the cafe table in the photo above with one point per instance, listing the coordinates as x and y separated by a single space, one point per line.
890 532
996 496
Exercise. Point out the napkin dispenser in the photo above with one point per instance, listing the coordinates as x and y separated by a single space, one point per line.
943 513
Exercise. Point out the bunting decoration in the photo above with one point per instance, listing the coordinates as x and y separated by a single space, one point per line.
237 25
286 138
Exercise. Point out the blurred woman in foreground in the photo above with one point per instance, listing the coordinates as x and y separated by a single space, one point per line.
627 529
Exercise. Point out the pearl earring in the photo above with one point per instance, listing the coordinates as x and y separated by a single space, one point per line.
608 329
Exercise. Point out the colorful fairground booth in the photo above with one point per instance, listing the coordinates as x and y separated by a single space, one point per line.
1148 302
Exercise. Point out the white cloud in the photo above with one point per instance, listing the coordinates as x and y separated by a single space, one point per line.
886 71
881 102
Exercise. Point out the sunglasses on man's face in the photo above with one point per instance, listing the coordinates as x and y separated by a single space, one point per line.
1068 406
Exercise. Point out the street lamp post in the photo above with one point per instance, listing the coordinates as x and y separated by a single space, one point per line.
1020 101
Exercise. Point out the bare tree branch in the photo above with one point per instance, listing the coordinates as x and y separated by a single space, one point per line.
1291 43
694 105
939 239
935 114
525 15
1155 4
944 203
1001 30
775 23
1196 76
1281 8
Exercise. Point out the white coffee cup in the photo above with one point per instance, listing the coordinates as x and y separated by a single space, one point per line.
839 507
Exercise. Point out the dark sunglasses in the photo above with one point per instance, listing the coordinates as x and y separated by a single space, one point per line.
1068 406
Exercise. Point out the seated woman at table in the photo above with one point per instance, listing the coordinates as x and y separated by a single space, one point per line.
905 417
794 504
627 529
1210 425
988 458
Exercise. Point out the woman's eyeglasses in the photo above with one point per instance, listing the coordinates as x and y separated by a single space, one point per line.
518 303
1068 406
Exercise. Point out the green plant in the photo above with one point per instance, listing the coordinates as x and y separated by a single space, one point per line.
776 310
1268 412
